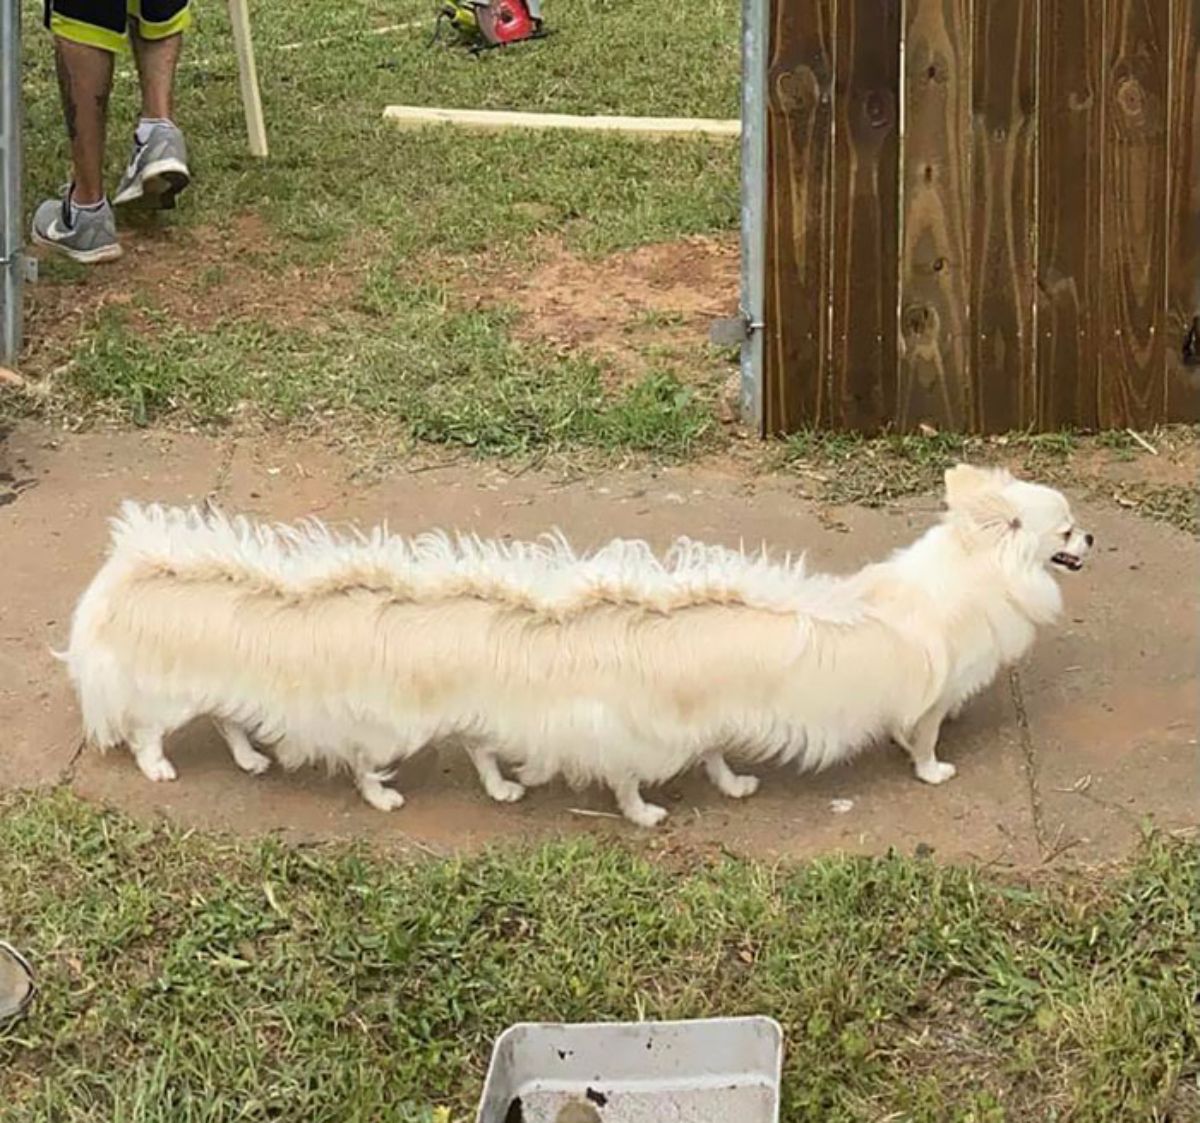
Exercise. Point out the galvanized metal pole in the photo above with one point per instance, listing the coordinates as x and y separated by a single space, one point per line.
12 243
755 32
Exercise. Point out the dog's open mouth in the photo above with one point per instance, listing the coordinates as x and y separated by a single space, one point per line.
1068 561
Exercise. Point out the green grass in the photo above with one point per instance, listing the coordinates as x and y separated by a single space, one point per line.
187 978
870 472
439 377
337 172
341 186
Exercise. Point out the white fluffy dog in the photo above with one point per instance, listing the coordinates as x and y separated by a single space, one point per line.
616 667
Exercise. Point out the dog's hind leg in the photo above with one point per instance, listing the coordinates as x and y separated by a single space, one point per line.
147 747
727 781
372 785
634 808
921 744
248 758
500 789
533 775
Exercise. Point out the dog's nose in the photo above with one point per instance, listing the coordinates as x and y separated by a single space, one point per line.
1089 539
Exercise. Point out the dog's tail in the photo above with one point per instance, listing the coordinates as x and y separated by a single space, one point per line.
101 692
101 687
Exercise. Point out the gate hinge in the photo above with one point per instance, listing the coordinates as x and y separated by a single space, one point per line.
733 331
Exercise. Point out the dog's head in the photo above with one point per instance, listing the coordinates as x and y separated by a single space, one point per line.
1032 521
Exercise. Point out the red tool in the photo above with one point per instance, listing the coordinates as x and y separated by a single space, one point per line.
507 21
492 23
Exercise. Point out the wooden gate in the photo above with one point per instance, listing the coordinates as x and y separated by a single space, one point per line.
982 215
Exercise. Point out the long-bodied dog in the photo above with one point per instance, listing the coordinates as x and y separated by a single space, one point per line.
616 667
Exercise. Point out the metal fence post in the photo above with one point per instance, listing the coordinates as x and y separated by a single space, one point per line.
12 257
755 32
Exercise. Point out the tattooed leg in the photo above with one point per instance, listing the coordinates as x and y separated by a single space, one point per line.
84 79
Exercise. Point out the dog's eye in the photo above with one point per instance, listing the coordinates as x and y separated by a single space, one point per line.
1066 534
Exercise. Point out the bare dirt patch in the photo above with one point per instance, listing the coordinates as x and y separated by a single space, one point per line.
644 308
191 277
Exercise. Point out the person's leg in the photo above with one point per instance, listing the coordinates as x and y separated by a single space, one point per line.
84 80
158 164
156 62
86 35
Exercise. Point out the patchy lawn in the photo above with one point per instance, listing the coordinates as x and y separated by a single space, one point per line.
187 978
342 277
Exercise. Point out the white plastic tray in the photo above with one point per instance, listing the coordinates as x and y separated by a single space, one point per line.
717 1070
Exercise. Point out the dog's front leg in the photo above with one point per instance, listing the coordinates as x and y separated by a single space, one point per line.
921 744
726 781
500 789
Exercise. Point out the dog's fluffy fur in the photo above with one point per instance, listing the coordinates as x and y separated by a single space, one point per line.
617 667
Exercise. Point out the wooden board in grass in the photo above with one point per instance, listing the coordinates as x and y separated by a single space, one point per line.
421 116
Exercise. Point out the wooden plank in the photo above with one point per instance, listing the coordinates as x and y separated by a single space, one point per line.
934 363
1070 173
243 45
865 204
1183 248
420 116
1003 158
799 232
1133 300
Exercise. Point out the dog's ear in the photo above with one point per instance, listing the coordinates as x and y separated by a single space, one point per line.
966 483
978 493
963 482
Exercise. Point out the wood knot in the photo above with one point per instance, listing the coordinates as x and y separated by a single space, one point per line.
921 322
877 109
795 89
1131 98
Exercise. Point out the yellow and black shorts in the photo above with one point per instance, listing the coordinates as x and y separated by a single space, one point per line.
105 23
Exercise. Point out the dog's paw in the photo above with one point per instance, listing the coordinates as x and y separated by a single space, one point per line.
255 763
739 787
936 772
648 815
384 799
160 770
533 776
506 791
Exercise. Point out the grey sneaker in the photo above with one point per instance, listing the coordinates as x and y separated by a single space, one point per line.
88 236
158 168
